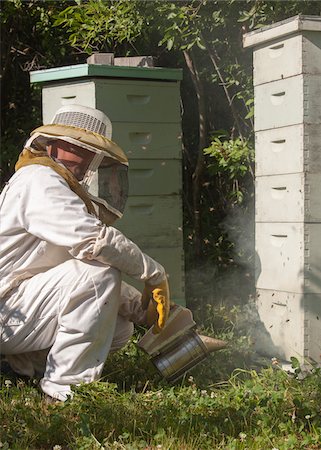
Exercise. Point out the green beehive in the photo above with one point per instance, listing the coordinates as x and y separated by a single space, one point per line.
143 105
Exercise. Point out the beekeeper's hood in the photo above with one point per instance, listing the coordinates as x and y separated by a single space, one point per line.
86 132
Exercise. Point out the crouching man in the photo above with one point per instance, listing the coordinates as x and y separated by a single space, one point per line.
63 306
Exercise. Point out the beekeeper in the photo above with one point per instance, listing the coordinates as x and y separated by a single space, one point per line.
63 305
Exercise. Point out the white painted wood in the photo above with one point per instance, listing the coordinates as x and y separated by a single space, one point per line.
291 101
149 140
278 60
288 198
283 58
153 221
290 325
286 150
288 256
53 97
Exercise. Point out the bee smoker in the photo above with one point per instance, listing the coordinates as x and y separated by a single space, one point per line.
178 348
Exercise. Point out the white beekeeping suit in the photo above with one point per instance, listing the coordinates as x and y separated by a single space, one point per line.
63 306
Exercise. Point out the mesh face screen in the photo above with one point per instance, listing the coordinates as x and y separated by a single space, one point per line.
81 120
113 184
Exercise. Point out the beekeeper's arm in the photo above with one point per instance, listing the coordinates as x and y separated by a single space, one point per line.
51 211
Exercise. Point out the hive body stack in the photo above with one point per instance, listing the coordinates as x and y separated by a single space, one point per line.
143 105
287 93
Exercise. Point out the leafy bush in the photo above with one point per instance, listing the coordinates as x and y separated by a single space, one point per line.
232 158
101 26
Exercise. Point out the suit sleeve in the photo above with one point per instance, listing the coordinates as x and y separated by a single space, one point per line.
51 211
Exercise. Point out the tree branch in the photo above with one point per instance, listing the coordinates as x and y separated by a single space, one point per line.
213 58
199 167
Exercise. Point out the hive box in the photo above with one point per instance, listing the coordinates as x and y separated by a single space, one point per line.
122 100
158 216
285 49
292 322
288 198
288 257
148 140
291 101
287 57
154 177
286 150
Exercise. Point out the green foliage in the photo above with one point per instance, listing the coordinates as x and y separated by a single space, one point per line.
29 42
232 156
211 30
223 403
181 24
101 25
269 409
233 159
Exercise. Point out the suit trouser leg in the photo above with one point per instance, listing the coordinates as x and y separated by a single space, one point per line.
71 309
130 312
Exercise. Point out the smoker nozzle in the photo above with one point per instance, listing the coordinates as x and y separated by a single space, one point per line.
212 344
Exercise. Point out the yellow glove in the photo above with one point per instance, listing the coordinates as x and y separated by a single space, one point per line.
156 300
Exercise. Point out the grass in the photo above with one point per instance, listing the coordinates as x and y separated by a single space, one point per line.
214 407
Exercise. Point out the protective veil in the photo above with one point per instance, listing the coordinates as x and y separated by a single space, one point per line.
88 131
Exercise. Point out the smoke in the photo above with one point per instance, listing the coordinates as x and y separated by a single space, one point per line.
231 283
209 287
240 227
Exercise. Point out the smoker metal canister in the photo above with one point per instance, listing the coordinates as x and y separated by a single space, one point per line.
183 354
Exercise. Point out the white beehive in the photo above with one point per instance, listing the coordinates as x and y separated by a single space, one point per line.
287 90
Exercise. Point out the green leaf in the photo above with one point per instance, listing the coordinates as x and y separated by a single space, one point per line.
200 45
171 15
250 114
170 44
295 363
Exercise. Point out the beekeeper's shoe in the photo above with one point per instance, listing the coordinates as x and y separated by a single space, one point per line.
52 401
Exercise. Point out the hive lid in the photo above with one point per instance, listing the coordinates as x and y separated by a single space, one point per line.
279 29
106 71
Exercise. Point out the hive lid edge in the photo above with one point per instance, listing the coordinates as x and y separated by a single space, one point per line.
100 70
280 29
